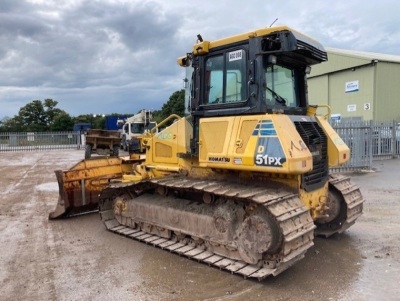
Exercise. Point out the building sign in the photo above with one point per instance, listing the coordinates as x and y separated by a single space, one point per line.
336 117
351 108
367 106
352 86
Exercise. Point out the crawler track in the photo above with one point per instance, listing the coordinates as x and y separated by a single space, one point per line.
352 209
292 217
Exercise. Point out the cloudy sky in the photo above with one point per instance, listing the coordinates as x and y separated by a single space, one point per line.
119 56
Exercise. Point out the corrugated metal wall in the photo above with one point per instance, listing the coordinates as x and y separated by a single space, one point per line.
318 90
378 95
340 100
387 102
330 86
337 62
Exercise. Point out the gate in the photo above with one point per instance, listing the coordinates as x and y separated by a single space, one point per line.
368 141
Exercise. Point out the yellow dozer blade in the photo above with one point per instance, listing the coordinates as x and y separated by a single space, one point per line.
80 186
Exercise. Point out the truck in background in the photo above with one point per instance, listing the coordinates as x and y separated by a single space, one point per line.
101 142
133 130
104 141
113 122
81 127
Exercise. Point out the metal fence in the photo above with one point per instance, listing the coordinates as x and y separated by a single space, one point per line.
37 141
368 141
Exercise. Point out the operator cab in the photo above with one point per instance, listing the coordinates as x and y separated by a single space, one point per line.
252 73
257 72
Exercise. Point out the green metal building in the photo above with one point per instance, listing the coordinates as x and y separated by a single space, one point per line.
357 85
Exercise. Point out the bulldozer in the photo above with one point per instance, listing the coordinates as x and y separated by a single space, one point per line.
243 181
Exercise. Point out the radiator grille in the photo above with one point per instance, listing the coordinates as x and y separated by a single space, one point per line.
316 141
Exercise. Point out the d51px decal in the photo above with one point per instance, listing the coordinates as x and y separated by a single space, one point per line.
269 152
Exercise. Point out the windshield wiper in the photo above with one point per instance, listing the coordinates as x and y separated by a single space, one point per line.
277 97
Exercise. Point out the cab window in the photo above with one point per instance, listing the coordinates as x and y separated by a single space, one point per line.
137 128
225 78
281 86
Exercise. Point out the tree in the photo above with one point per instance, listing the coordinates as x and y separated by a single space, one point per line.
96 121
33 117
156 116
99 122
12 125
51 110
62 122
38 116
175 105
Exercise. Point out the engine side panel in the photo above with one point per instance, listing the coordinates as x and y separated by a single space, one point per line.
173 140
265 143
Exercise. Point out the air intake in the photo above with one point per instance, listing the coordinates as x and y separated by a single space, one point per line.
316 141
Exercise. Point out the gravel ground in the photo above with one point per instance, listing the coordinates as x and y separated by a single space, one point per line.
77 259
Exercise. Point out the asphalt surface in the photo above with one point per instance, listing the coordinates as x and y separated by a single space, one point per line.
77 259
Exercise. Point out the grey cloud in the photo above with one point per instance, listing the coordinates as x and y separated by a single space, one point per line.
79 50
117 55
14 6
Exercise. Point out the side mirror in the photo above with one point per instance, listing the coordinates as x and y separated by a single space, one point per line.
185 61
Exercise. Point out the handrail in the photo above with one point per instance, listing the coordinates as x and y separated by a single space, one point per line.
165 121
312 110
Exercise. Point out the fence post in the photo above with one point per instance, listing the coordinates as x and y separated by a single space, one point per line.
370 139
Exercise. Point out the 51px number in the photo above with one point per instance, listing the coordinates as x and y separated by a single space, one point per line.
267 160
